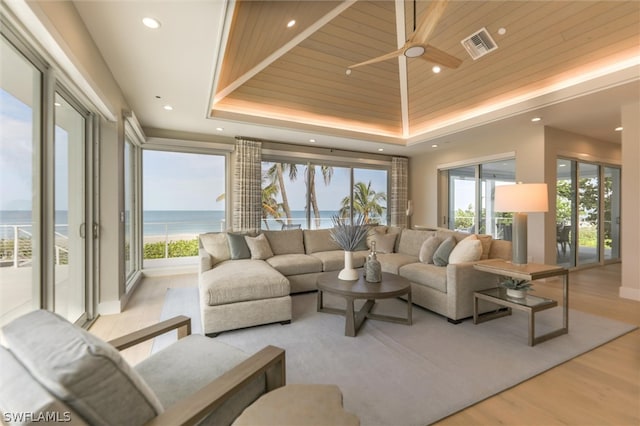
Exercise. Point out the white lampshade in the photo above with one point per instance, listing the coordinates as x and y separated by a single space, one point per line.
522 197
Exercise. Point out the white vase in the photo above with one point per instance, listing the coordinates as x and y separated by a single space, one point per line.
518 294
348 273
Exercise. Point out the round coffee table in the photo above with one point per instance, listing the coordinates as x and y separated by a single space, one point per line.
391 286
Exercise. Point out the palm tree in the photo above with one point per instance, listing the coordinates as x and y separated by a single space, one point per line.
275 174
270 205
327 174
366 202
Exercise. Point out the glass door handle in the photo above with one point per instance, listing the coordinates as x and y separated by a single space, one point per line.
83 227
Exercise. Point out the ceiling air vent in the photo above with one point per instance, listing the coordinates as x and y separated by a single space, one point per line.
479 43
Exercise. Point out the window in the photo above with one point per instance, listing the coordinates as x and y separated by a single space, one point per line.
183 196
308 195
471 196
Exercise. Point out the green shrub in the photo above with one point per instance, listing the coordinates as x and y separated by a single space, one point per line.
180 248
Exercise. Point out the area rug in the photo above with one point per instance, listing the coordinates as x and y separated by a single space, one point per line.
394 374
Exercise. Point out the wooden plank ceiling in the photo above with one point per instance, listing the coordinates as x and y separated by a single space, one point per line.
305 84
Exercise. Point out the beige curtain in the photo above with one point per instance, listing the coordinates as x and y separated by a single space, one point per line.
247 186
399 191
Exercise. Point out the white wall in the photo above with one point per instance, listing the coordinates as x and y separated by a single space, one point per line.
630 288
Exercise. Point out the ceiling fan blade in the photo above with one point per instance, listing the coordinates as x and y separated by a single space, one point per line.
439 57
391 55
430 20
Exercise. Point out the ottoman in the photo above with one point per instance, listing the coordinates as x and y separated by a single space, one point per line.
242 293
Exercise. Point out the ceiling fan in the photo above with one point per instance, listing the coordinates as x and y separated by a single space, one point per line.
417 45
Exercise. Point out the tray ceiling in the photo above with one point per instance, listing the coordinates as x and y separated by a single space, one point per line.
295 77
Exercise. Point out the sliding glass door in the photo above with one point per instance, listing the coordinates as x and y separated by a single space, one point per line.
45 150
587 213
69 210
20 174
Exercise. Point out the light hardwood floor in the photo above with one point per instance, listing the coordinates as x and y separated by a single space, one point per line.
601 387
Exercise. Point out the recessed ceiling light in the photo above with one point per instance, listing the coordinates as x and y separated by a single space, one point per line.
436 69
536 119
291 23
502 31
435 145
348 72
619 129
151 23
312 140
380 149
57 104
168 107
219 129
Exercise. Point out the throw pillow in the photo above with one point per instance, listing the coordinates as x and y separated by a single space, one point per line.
259 247
441 256
384 242
215 243
428 249
486 241
238 247
467 250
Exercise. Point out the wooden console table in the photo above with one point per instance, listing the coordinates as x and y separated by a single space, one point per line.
531 272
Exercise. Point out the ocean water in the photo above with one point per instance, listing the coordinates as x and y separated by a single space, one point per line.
158 222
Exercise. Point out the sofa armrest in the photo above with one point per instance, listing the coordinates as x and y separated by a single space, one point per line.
204 260
462 281
181 323
191 410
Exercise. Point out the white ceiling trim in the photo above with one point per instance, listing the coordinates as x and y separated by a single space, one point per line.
223 36
589 82
402 68
281 51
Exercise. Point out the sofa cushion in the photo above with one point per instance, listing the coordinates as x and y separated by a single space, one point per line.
391 262
334 260
441 256
428 249
286 242
259 247
84 372
411 241
238 248
467 250
385 243
215 243
241 280
428 275
318 240
295 264
20 393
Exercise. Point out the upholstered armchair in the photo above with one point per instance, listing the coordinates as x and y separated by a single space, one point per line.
52 370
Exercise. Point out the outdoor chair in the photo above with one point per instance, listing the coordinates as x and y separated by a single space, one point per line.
53 371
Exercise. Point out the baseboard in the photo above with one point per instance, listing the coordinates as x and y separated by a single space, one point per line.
630 293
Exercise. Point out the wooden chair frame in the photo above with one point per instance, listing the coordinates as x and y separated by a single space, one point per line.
190 410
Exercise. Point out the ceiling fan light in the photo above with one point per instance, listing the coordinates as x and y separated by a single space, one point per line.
414 51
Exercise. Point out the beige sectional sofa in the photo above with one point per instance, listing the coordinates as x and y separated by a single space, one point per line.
241 288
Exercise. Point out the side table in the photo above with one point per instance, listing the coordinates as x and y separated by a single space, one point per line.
531 272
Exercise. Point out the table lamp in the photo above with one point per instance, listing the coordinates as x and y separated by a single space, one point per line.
520 199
